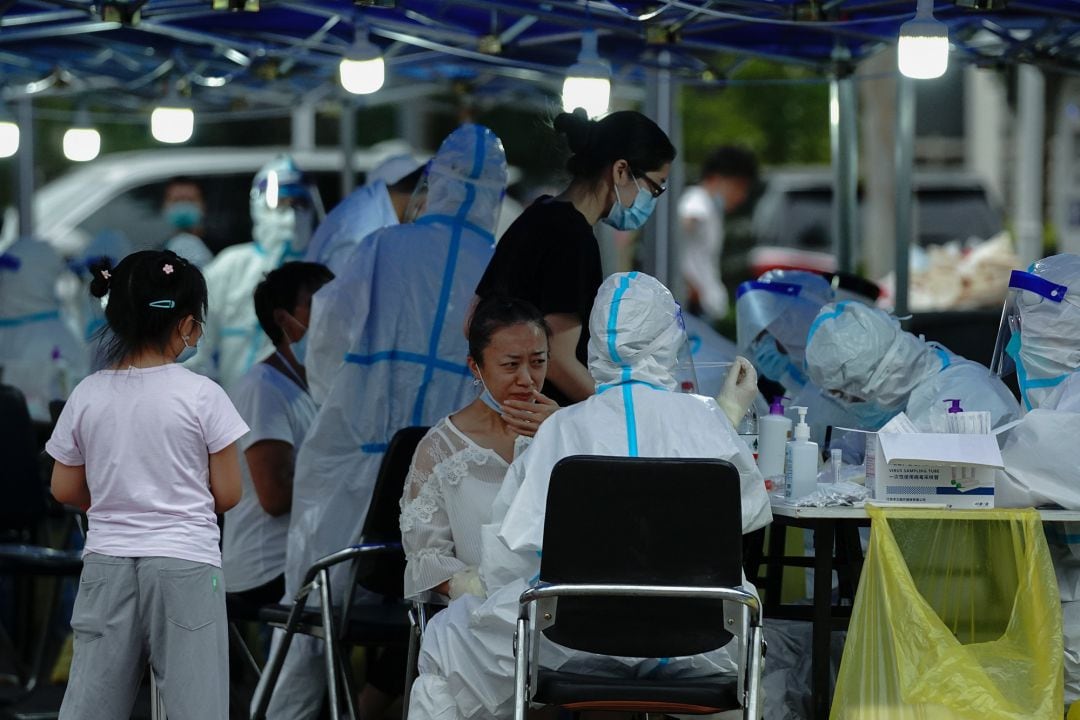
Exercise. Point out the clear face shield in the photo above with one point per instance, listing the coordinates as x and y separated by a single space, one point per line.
685 373
1026 292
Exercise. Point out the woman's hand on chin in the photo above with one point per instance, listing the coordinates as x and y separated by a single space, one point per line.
526 416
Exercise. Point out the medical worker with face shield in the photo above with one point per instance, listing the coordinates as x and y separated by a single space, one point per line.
400 303
283 208
860 356
466 658
1039 339
379 203
773 317
39 353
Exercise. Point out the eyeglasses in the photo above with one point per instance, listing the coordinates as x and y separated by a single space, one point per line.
656 189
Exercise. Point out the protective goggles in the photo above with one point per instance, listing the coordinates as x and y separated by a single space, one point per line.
1026 292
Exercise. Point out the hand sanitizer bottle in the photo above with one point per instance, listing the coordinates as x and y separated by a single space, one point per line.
774 430
801 461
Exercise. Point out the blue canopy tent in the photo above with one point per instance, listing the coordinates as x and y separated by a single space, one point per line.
256 56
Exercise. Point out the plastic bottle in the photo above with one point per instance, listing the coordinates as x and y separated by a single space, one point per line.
748 430
802 461
774 430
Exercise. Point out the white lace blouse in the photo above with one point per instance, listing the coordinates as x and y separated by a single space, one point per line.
449 491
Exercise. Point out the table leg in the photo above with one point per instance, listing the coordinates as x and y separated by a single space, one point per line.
775 563
821 681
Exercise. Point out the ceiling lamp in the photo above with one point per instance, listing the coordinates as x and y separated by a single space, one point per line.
923 48
81 142
362 70
9 133
173 121
588 81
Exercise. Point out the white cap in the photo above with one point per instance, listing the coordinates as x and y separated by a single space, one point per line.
393 169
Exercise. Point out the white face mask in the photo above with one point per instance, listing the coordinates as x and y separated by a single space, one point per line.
274 229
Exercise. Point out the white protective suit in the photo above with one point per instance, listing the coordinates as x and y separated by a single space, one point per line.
863 354
282 215
1041 453
39 353
367 208
466 658
400 304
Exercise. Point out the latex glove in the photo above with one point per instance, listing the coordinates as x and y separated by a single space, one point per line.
525 416
739 390
467 582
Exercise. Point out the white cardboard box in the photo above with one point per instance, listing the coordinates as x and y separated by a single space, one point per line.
918 468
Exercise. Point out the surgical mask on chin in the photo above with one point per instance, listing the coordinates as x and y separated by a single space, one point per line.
299 349
188 352
486 397
184 215
621 217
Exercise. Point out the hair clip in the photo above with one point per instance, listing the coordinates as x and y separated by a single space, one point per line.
167 269
106 274
163 304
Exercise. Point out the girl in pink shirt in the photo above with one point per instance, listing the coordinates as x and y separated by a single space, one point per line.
147 449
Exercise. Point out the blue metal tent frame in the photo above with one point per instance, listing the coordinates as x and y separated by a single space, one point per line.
247 60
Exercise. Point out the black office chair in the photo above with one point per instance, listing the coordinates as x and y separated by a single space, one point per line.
23 514
642 558
377 564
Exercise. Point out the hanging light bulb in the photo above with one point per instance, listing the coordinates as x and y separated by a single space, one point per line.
81 141
923 48
9 133
173 121
588 81
362 70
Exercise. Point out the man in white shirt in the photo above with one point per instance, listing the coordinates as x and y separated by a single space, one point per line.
727 176
273 399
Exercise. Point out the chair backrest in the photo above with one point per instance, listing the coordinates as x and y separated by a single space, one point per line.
385 573
25 500
642 521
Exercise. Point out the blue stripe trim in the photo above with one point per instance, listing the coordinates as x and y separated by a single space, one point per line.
409 357
608 386
613 316
780 288
631 420
374 448
479 151
436 219
820 319
945 360
1020 280
28 319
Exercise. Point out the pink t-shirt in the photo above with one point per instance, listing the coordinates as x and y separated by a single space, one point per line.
145 436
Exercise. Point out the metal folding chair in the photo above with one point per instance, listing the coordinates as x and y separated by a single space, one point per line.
642 558
377 564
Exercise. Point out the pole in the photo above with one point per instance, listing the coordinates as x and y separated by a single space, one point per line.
662 90
1028 190
24 168
905 153
844 142
348 146
303 126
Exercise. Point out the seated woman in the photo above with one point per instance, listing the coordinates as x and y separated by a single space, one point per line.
466 658
459 466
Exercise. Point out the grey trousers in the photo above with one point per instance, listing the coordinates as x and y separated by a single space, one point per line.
130 611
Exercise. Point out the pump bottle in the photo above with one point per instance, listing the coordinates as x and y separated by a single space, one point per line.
802 461
774 430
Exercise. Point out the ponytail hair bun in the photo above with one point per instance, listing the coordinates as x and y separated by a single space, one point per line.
621 135
577 127
101 274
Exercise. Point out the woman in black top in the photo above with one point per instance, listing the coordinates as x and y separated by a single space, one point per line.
549 256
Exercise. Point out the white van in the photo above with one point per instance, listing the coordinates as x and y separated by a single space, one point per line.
122 192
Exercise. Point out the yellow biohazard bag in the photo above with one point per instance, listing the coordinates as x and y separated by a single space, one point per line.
956 616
